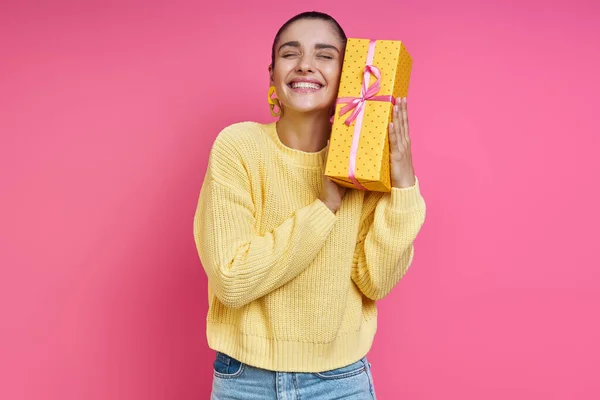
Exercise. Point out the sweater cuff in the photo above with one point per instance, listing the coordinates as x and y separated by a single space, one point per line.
322 217
406 199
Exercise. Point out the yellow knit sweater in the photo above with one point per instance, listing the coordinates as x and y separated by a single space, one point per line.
293 286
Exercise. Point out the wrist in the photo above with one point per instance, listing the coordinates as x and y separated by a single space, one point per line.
332 207
405 182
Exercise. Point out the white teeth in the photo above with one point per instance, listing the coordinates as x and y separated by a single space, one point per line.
305 85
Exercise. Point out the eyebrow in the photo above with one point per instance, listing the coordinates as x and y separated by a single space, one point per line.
318 46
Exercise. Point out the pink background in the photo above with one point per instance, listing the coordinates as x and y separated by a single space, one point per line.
107 114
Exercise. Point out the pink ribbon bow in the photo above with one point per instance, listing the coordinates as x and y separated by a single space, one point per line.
357 104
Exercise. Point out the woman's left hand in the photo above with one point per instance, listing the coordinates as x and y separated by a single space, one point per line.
401 165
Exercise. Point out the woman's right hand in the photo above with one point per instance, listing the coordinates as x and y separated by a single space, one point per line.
332 194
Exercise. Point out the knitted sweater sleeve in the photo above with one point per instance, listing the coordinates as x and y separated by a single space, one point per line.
241 264
385 246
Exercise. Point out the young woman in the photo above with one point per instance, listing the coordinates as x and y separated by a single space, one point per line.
295 263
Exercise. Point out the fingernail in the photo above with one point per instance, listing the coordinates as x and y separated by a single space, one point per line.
405 100
396 108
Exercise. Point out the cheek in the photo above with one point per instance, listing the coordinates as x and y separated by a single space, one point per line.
333 76
334 82
280 77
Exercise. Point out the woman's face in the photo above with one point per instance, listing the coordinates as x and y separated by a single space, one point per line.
308 64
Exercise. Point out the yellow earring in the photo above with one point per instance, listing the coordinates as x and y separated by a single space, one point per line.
273 102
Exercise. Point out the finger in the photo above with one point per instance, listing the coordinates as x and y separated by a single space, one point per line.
400 126
393 138
405 120
397 124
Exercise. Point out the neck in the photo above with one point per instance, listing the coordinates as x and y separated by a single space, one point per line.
308 133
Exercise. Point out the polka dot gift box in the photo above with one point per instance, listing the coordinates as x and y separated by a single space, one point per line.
374 73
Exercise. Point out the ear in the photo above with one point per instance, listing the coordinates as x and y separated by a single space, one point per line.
271 72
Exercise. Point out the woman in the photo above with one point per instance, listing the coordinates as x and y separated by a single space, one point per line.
295 263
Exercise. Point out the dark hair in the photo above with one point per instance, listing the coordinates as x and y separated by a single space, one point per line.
307 15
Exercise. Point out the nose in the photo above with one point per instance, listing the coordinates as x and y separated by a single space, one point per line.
305 64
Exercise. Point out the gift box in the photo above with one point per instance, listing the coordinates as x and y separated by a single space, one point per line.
374 74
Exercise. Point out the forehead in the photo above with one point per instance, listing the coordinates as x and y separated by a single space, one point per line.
309 32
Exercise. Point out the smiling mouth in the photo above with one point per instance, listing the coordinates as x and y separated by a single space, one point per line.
305 85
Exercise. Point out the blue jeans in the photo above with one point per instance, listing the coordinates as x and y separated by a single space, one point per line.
234 380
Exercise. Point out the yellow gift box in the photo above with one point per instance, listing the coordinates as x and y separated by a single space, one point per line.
374 73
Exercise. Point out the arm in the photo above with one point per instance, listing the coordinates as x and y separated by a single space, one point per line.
385 249
242 265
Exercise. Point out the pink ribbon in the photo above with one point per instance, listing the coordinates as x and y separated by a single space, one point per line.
357 104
